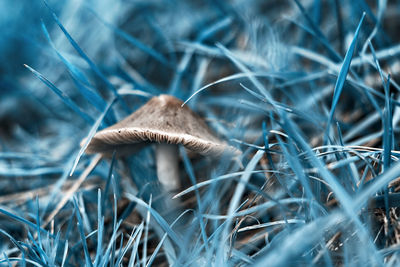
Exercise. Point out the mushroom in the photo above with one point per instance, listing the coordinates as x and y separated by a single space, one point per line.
163 121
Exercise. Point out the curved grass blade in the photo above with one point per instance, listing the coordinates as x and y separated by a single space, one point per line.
66 99
90 135
132 40
79 77
236 77
71 67
91 64
343 74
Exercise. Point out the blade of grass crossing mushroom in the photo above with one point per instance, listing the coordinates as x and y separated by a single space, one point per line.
343 74
66 99
90 135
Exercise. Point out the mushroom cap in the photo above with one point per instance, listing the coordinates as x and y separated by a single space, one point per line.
161 120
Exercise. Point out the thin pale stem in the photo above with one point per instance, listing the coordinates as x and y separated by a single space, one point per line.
167 166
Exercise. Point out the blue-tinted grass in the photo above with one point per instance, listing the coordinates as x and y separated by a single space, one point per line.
267 76
67 100
91 134
133 41
343 74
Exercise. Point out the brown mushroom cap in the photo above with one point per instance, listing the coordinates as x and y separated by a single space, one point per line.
160 120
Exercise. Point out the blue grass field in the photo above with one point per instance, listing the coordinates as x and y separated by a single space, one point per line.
306 90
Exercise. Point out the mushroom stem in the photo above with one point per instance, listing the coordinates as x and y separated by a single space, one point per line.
167 166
